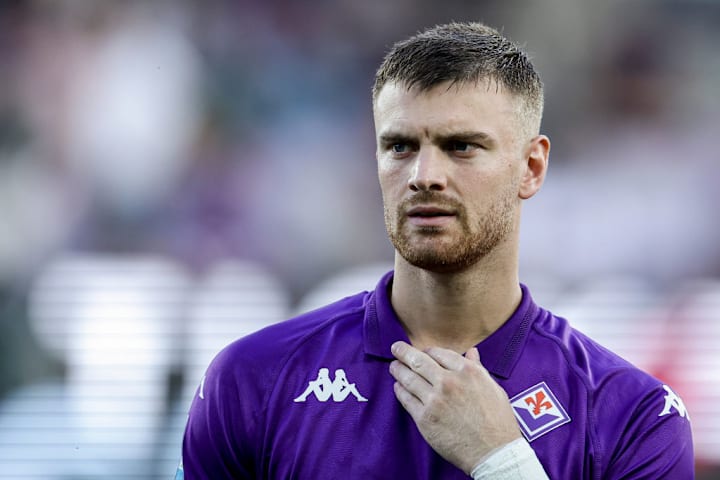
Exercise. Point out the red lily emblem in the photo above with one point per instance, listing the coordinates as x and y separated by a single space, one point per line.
539 403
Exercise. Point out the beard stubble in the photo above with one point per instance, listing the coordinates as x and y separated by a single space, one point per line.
450 249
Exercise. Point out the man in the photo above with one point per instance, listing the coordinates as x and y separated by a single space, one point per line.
455 371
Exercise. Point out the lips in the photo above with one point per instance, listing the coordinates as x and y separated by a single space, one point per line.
429 212
430 217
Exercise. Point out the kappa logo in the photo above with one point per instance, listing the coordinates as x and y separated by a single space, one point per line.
201 389
538 411
323 388
180 473
672 400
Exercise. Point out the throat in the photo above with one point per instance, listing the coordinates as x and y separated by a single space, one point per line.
456 343
448 311
450 326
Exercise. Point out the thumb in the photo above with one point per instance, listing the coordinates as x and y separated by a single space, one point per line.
473 354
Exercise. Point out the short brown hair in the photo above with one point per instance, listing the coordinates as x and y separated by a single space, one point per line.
460 53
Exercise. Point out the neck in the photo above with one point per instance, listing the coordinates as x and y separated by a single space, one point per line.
454 310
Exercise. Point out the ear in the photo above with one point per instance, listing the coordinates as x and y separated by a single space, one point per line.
536 158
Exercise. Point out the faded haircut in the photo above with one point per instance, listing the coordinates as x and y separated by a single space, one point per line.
460 53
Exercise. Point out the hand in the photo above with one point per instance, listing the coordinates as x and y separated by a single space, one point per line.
459 409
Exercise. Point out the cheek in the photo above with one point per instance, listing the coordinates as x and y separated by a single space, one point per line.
479 192
392 181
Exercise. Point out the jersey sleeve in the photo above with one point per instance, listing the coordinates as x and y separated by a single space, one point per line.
219 441
655 441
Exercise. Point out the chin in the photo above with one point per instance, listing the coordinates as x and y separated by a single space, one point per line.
438 263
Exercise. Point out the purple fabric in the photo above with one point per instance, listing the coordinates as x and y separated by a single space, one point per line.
268 410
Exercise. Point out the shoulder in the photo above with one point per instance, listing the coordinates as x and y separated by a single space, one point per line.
594 364
612 387
227 416
610 380
239 381
259 354
636 422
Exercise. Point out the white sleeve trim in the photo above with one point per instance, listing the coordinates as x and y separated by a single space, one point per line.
514 461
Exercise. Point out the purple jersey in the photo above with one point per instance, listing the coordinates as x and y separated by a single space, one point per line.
312 398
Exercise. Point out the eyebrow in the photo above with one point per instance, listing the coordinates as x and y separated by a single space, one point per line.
470 136
391 138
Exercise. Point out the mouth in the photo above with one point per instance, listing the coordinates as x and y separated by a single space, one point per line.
429 212
427 216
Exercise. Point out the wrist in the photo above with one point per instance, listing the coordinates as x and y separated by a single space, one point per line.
513 461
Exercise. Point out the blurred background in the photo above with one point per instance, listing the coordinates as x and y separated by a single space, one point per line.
176 174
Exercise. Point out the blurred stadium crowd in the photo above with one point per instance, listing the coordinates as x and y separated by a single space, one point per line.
174 174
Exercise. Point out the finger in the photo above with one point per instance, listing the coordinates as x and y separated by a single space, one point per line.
446 358
473 355
409 401
409 380
419 362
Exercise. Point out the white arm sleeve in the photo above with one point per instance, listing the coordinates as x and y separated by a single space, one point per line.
514 461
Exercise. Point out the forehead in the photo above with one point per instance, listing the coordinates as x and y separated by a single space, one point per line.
482 106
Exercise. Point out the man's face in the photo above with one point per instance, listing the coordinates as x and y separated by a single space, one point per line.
450 166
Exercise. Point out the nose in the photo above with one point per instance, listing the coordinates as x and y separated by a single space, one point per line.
428 171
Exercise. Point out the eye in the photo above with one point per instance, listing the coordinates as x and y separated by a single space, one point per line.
400 148
462 147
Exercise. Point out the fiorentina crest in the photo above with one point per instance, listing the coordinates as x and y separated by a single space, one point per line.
538 411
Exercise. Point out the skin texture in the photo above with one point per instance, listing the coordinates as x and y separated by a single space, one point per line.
454 164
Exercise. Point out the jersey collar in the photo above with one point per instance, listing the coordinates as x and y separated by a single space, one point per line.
499 352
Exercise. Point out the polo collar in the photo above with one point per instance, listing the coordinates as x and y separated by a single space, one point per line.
499 352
